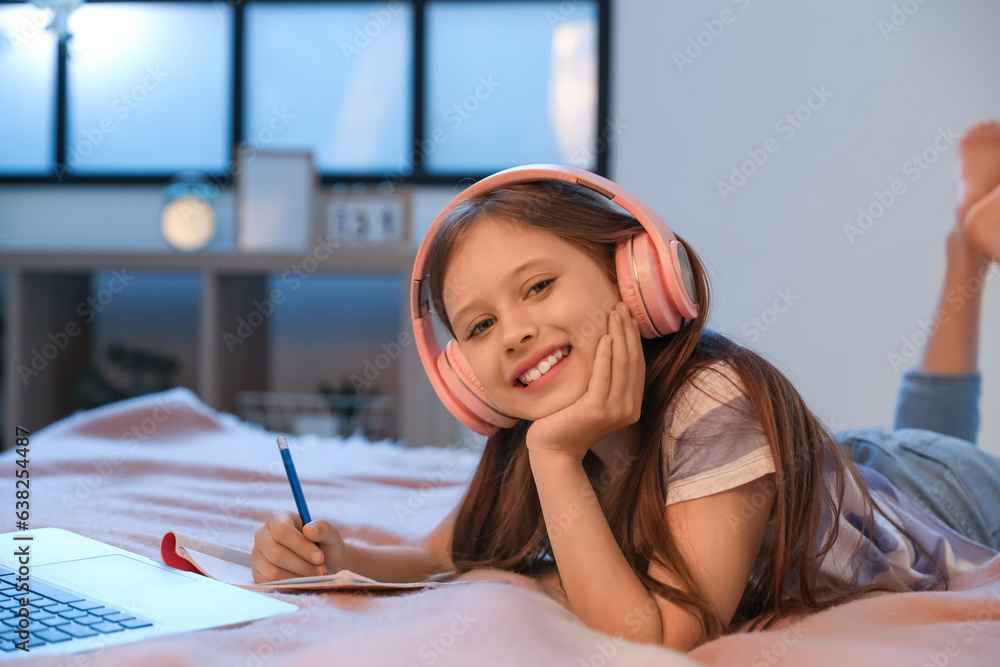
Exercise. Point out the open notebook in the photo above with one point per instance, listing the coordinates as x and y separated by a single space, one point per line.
232 566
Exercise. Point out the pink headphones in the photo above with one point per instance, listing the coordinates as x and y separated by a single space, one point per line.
654 278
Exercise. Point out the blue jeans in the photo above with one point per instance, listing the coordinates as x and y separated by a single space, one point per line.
931 455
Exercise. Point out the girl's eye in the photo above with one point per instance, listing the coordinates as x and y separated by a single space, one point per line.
475 330
543 283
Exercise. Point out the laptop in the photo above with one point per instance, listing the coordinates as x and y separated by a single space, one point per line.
85 595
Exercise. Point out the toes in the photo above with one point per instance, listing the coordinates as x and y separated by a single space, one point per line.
981 226
982 131
978 169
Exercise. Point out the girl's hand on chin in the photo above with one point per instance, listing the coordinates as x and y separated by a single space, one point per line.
613 399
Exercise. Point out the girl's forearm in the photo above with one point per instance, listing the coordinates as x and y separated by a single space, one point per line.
600 585
391 563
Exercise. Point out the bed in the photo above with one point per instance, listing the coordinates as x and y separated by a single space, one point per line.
128 472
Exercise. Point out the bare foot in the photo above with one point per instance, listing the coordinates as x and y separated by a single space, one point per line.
979 188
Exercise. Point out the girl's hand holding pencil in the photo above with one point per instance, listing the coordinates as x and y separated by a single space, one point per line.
286 548
283 548
613 399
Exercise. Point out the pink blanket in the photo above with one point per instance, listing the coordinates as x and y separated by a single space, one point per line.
128 472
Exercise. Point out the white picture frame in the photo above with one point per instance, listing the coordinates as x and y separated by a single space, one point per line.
275 209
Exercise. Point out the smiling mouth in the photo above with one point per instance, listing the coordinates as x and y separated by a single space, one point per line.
550 362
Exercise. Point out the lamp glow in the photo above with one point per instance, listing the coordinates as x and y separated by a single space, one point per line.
188 221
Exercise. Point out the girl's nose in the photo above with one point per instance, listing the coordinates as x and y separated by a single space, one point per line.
519 332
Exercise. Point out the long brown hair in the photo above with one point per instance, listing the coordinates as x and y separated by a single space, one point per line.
500 522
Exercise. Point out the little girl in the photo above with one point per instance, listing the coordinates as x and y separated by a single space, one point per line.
678 486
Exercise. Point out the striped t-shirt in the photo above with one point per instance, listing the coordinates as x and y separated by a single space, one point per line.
714 443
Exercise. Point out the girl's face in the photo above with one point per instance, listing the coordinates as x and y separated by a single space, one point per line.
507 318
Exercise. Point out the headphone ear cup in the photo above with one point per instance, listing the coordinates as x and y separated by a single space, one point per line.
629 290
466 390
643 287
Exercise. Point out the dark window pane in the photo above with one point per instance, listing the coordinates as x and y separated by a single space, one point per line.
149 87
510 83
27 90
334 79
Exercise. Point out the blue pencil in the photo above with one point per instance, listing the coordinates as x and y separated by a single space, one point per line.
293 480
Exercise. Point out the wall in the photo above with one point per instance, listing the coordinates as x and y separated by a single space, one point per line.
887 94
880 97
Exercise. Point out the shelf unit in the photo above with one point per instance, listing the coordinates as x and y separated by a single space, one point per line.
44 291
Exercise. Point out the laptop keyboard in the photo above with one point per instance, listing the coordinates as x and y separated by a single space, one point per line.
56 615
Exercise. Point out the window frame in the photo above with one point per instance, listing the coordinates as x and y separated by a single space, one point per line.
418 176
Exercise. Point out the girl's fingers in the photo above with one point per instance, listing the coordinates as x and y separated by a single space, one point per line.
635 337
628 328
633 375
602 374
600 381
280 561
619 355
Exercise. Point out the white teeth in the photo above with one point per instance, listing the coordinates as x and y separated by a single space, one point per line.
543 367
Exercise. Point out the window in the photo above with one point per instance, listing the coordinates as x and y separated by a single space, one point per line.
510 83
419 90
315 79
27 90
149 87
